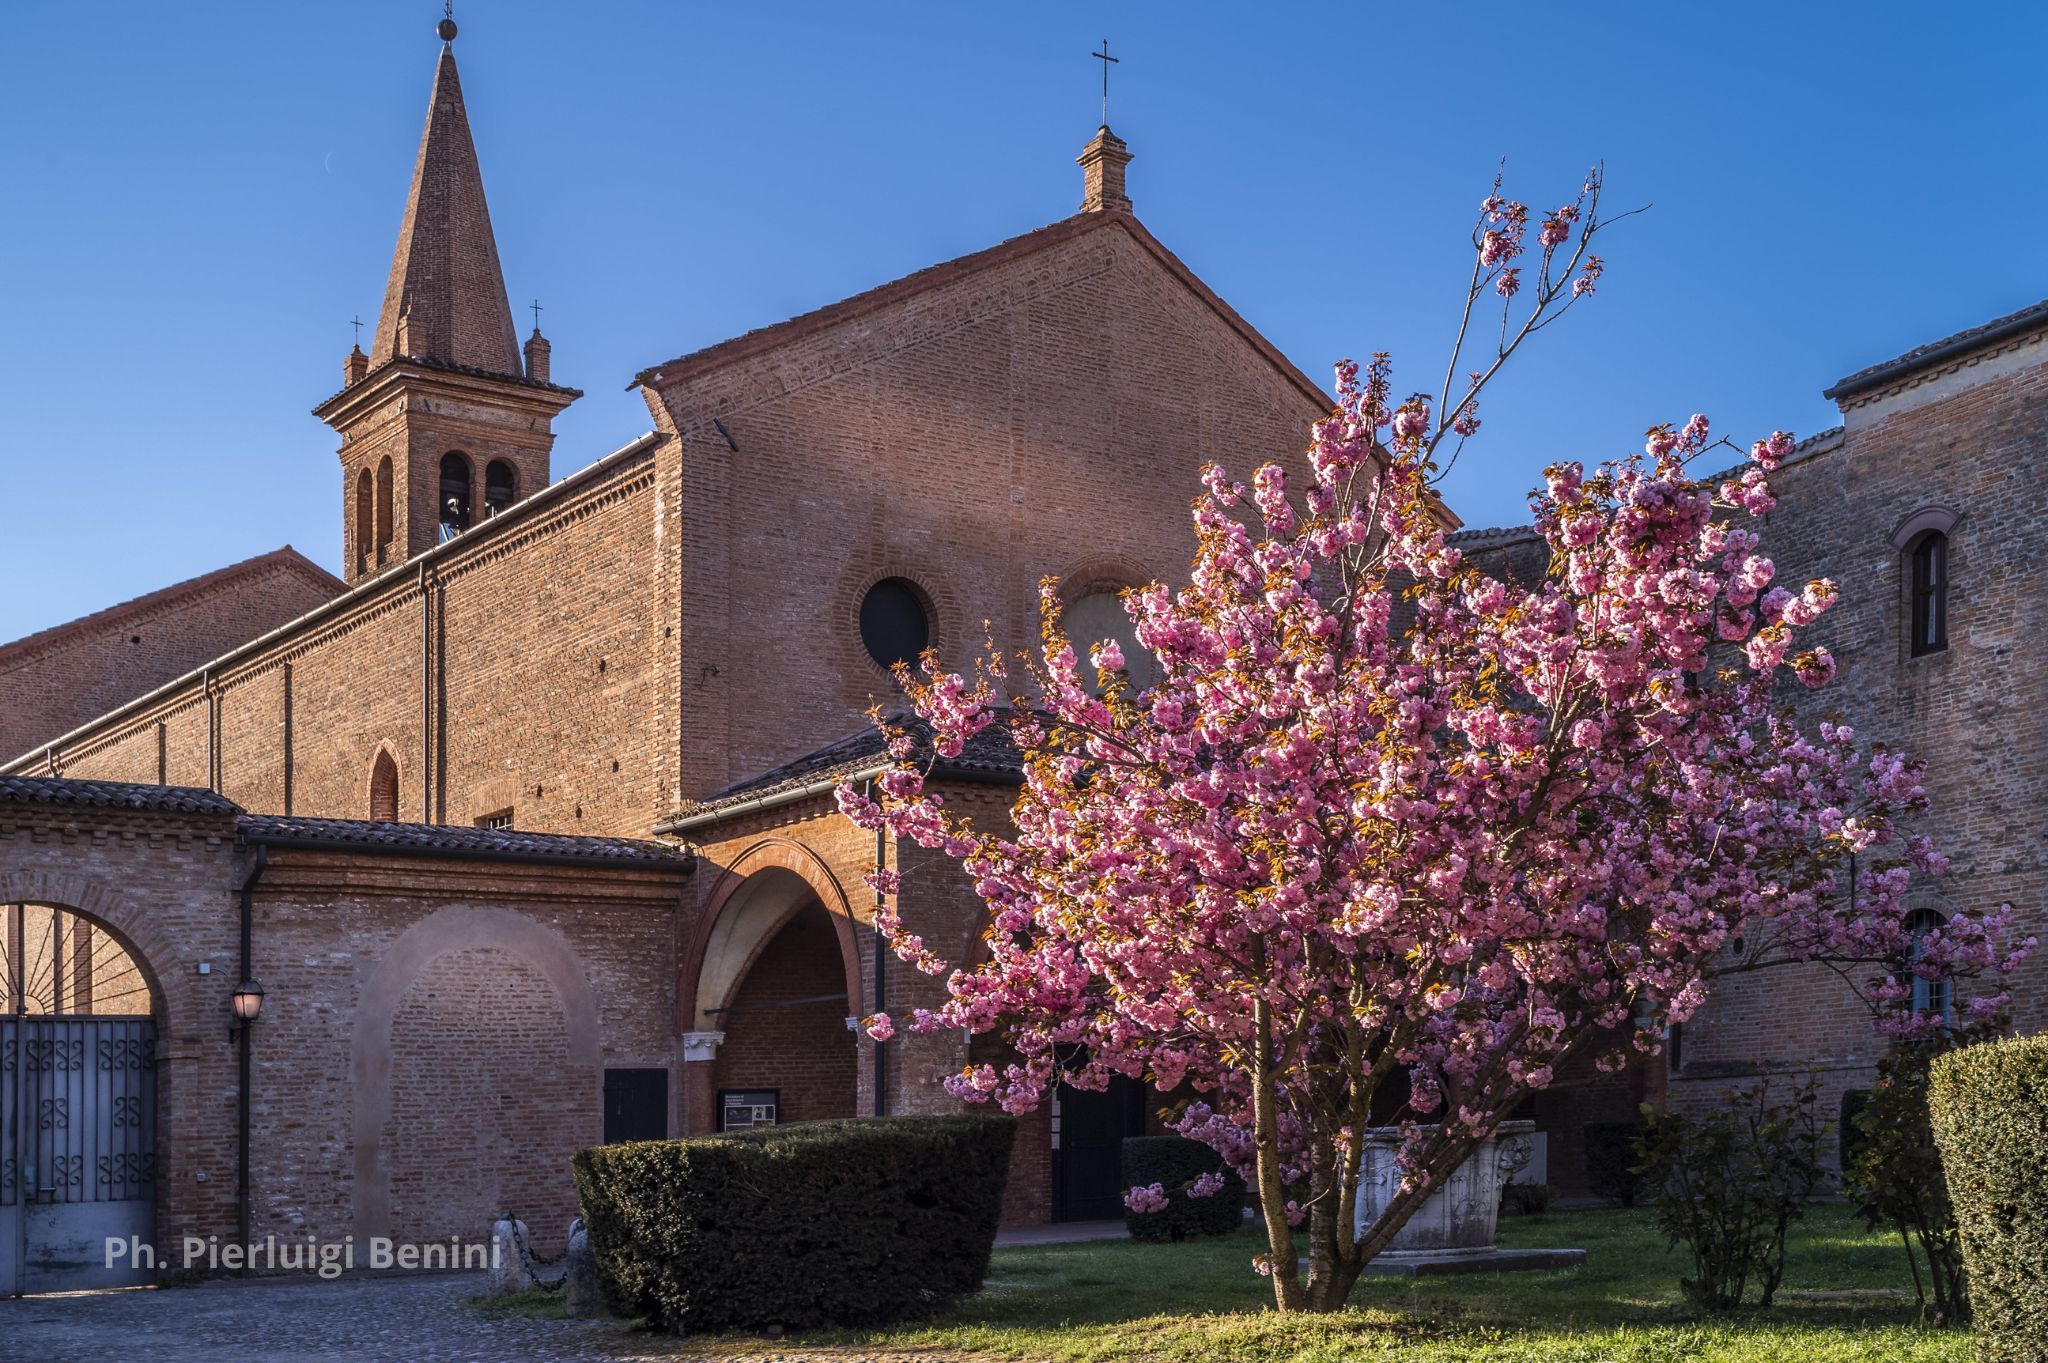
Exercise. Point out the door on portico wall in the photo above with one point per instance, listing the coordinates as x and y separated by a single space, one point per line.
77 1103
787 1046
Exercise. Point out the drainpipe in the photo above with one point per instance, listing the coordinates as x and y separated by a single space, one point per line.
881 977
242 1118
426 697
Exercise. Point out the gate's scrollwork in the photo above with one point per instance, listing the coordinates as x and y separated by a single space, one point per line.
77 1102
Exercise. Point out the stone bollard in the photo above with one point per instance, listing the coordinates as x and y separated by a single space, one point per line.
583 1294
509 1273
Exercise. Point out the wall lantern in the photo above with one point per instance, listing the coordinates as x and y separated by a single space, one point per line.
248 1002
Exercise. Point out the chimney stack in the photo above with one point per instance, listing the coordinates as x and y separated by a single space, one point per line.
1102 173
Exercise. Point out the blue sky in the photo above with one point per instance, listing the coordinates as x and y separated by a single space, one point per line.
201 195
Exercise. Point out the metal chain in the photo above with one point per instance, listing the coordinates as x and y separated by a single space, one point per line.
531 1262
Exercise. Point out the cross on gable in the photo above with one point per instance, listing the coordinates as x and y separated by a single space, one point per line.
1104 57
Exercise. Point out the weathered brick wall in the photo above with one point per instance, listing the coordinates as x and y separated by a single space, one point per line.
162 883
1972 711
1045 415
534 641
53 681
435 1034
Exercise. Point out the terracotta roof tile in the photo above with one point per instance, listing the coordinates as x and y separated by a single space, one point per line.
1920 357
401 839
988 756
64 790
286 559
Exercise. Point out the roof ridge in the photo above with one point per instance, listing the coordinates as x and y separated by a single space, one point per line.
284 557
520 512
774 334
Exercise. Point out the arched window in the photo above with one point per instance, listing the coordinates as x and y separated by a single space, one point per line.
501 487
454 493
383 509
1930 593
384 789
1929 996
364 520
1100 615
895 624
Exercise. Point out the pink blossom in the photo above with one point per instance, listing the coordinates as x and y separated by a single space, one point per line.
1150 1198
1383 801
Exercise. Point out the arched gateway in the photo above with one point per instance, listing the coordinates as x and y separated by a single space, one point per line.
78 1100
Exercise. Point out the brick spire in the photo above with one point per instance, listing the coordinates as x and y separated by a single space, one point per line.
1102 164
446 297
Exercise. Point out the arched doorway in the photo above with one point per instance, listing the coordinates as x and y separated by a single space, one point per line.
776 983
78 1102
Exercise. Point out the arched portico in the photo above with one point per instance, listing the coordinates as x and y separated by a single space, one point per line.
770 978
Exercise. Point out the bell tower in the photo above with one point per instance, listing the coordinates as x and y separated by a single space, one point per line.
444 422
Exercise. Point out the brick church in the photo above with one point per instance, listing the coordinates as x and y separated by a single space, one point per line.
526 848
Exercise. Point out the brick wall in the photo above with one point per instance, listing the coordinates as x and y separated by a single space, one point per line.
1043 415
537 651
433 1034
56 680
1973 712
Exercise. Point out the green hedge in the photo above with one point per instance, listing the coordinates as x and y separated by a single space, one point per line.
1990 1109
1173 1162
821 1223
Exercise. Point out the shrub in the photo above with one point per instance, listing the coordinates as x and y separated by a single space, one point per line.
1989 1105
1611 1160
1728 1184
1894 1174
845 1223
1174 1163
1524 1199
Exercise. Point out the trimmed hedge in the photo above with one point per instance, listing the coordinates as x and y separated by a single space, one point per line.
1173 1162
855 1222
1990 1109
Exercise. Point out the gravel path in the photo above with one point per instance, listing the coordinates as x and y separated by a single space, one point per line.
349 1320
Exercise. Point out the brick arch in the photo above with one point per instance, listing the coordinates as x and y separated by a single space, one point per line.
948 618
451 929
1102 572
773 853
1918 522
384 770
174 1000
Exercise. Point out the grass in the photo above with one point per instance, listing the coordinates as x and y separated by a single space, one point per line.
1846 1299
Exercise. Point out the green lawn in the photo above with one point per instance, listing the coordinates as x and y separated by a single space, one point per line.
1842 1300
1847 1299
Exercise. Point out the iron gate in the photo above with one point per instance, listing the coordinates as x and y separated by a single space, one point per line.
77 1150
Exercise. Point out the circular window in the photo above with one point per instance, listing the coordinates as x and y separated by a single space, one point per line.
894 625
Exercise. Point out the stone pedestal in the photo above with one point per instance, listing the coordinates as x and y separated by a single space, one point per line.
1453 1231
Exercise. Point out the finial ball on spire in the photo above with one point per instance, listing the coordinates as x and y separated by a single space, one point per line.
446 28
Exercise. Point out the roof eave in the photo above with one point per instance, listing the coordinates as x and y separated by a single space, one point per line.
1863 381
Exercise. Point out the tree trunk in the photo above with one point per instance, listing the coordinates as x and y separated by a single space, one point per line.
1287 1294
1333 1262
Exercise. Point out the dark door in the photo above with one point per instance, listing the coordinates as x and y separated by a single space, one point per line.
635 1105
1088 1148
